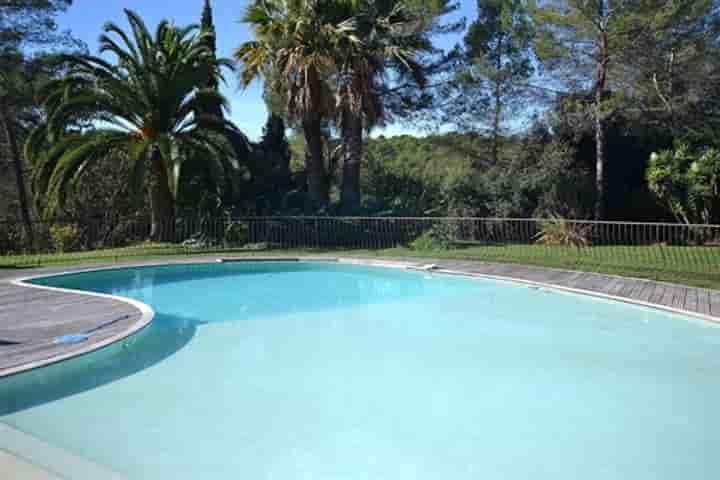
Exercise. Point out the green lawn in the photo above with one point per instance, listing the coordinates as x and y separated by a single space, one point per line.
698 266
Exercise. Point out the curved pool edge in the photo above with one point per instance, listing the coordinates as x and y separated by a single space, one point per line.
588 293
91 345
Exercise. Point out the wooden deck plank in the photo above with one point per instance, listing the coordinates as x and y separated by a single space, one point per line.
715 304
691 300
627 289
667 298
703 301
646 292
679 297
640 286
658 293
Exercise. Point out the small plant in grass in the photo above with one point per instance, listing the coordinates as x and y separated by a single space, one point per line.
237 234
65 238
424 242
442 236
559 231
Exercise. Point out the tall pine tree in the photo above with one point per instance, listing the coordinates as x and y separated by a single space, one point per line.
211 106
593 45
26 24
491 85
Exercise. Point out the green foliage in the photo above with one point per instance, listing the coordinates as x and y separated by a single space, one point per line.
65 237
600 46
32 23
11 236
489 89
687 182
436 175
417 176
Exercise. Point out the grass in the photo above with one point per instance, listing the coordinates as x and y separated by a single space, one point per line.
696 266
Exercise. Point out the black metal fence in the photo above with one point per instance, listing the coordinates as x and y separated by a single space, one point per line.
694 247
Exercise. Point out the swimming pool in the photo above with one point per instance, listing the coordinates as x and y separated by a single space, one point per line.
330 371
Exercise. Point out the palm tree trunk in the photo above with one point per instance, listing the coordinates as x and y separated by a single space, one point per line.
352 138
19 177
314 162
161 201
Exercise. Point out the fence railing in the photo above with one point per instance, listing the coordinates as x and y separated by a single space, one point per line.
664 245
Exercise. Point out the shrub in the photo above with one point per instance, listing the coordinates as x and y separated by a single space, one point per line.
687 182
424 242
559 231
237 234
12 238
442 236
65 238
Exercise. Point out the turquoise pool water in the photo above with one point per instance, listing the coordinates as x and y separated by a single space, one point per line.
324 371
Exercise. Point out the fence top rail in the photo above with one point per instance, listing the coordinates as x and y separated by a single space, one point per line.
392 219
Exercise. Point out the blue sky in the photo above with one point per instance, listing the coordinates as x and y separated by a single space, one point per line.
86 17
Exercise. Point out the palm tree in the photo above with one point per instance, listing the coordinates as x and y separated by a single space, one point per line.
390 38
295 49
141 109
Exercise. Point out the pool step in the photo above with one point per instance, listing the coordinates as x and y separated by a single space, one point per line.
18 469
29 458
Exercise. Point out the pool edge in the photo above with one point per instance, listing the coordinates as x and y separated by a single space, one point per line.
585 292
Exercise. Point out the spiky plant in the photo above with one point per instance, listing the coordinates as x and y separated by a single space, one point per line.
559 231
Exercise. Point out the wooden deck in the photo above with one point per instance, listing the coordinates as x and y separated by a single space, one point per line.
31 318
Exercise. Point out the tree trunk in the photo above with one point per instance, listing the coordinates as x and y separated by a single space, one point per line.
497 114
19 177
352 137
317 180
314 162
599 164
496 125
600 130
162 204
